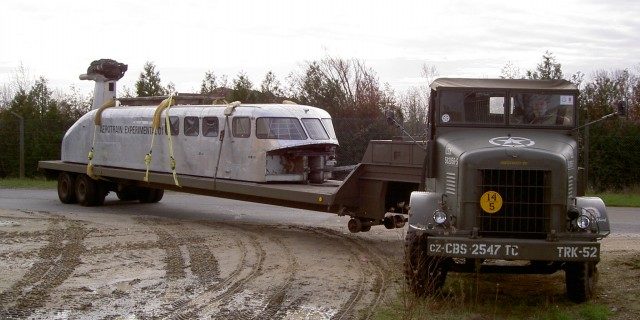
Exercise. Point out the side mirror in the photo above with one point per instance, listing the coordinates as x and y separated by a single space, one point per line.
621 108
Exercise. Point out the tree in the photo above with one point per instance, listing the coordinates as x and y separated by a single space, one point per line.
209 83
351 93
45 118
548 69
270 89
510 71
242 89
148 83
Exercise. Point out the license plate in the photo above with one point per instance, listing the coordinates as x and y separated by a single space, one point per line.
516 250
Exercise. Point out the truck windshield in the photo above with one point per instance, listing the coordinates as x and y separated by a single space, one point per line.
523 109
472 107
541 109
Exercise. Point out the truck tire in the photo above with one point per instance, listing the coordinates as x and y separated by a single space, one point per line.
580 278
66 188
425 274
89 192
150 195
127 194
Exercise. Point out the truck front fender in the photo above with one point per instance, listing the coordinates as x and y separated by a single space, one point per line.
594 207
421 208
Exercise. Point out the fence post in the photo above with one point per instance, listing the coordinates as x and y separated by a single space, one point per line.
21 143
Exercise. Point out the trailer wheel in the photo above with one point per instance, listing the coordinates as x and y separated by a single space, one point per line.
580 278
89 193
425 274
150 195
127 194
66 188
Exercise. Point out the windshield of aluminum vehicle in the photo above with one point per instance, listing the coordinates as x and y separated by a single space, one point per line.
315 129
280 128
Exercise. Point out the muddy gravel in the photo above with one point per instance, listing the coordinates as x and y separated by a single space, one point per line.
134 266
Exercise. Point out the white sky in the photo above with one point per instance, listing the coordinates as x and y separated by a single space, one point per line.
58 39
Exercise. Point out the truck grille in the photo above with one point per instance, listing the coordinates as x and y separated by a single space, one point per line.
524 213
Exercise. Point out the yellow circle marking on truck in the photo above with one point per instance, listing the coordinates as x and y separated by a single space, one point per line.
491 202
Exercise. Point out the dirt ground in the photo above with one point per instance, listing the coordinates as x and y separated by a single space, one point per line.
128 266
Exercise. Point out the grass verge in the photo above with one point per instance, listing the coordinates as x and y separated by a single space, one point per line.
467 296
28 183
625 198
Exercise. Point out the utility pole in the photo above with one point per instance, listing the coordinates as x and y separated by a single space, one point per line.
21 143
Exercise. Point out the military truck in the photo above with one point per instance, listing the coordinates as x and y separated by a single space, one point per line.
504 193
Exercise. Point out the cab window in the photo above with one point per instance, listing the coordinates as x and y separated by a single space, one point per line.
472 107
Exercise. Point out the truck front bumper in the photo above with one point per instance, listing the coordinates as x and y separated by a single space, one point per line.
513 249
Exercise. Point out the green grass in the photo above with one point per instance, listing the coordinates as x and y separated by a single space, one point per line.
629 197
464 297
28 183
620 199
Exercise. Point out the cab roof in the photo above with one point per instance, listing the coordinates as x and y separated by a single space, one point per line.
518 84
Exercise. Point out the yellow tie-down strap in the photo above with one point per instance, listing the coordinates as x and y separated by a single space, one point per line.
97 121
157 120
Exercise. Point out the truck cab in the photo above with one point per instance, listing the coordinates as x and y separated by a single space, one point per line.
502 186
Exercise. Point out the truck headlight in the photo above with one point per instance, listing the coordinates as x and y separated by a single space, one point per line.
583 222
439 217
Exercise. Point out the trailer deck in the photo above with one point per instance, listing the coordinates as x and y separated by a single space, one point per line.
318 197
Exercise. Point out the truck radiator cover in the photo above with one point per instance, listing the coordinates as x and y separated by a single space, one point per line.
525 211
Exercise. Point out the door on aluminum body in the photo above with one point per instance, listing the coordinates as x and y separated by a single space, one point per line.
237 150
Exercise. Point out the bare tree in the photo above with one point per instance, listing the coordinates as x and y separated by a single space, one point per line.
511 71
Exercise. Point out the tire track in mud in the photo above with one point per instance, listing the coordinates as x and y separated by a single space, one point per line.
378 265
276 301
201 262
203 304
57 261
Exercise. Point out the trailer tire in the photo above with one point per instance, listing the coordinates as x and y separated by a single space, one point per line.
425 274
150 195
88 191
127 194
580 278
66 188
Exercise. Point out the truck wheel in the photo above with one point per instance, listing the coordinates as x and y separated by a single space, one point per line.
127 194
150 195
424 274
66 188
89 193
580 278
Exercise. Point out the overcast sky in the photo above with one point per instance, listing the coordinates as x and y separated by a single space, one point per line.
58 39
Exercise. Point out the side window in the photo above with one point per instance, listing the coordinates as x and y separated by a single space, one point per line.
210 126
174 122
241 127
191 126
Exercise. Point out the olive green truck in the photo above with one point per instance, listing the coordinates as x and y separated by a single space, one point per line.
504 193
